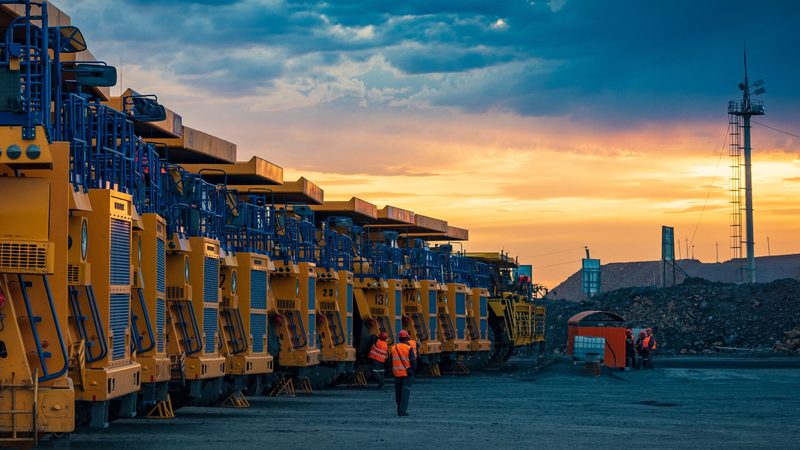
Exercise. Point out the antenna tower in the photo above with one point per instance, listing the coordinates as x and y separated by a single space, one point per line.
739 114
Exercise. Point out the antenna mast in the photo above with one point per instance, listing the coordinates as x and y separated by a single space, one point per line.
739 114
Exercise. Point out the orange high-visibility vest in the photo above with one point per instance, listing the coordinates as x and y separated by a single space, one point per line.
401 361
646 343
379 351
413 345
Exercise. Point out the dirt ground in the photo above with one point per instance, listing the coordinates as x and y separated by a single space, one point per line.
558 407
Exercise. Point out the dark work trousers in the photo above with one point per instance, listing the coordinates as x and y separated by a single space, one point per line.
402 391
378 373
649 360
630 357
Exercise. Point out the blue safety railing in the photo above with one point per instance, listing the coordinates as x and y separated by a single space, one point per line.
480 274
191 206
25 70
294 235
146 190
423 263
73 125
252 228
114 149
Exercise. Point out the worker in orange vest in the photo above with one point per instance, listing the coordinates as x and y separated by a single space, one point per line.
404 361
649 344
640 350
378 354
630 351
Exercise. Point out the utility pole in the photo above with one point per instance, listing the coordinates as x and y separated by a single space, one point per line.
769 252
716 244
687 248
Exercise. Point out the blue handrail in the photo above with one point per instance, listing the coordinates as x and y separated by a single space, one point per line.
98 326
35 320
137 338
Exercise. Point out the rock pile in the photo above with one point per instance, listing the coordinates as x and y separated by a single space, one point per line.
698 316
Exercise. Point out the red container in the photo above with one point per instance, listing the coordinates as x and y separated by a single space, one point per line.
602 324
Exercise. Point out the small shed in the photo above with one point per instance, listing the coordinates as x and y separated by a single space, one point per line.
601 324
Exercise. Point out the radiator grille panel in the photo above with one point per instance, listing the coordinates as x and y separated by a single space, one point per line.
160 323
461 325
209 328
461 303
22 257
258 329
73 275
120 253
119 315
210 279
258 289
161 264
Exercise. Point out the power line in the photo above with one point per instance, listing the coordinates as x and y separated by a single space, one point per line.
557 252
558 264
776 129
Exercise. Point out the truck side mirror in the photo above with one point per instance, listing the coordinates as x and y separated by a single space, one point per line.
145 108
66 39
95 74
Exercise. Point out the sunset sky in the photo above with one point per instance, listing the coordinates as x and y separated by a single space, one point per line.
541 126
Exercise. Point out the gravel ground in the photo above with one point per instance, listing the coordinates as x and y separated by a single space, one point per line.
557 407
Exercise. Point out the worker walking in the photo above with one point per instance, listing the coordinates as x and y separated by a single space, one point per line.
640 350
630 351
378 354
404 361
649 344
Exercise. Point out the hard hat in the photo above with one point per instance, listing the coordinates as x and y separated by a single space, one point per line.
403 334
382 336
642 333
628 332
649 330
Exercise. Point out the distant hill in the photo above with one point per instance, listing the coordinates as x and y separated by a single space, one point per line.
648 273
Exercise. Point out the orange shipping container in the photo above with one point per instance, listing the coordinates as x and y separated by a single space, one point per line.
606 325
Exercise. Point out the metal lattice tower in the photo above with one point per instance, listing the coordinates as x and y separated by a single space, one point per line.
739 113
735 197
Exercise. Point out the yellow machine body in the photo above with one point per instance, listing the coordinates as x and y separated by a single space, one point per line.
429 307
372 298
109 247
333 318
523 319
204 270
414 318
538 323
32 206
452 313
249 303
294 289
478 320
148 255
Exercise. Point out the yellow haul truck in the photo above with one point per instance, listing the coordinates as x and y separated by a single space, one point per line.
148 256
515 303
247 272
36 395
335 285
195 211
195 214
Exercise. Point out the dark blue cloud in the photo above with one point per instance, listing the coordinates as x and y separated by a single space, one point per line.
623 60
